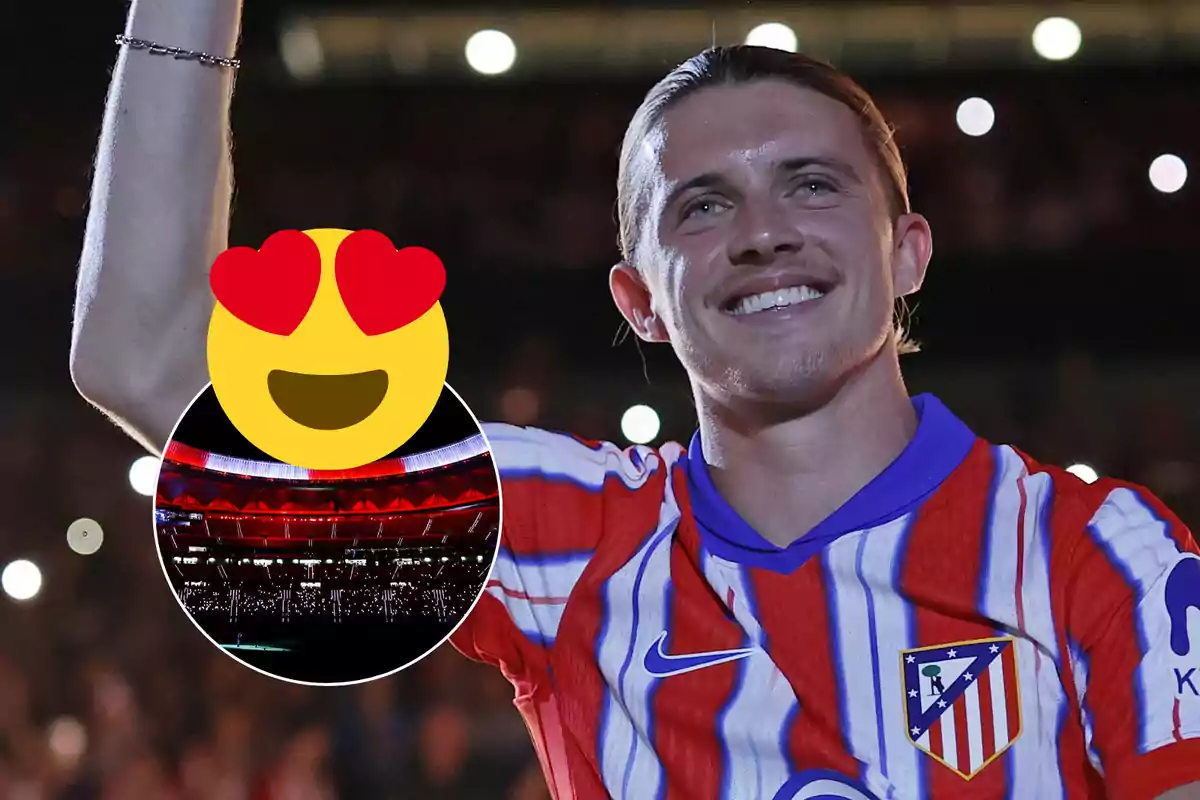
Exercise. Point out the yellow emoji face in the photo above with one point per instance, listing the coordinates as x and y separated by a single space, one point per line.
328 349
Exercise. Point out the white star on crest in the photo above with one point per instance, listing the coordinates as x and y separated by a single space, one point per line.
968 676
994 649
912 692
941 703
910 659
952 653
916 731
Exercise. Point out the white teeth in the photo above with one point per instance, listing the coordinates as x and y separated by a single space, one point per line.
781 298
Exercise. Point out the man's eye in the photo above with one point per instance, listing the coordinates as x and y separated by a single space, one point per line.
703 207
816 186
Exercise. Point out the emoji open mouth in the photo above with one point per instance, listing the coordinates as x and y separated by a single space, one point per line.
327 402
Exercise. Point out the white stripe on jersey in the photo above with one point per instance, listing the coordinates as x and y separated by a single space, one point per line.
535 593
1139 544
872 694
635 615
974 728
555 455
1079 670
950 740
1034 758
999 701
753 726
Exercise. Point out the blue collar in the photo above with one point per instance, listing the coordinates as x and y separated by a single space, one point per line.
941 444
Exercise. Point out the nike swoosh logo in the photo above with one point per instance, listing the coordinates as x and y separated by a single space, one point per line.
661 665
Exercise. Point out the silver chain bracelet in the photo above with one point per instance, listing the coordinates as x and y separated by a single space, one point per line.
178 53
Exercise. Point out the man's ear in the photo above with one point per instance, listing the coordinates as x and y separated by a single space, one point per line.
913 250
633 300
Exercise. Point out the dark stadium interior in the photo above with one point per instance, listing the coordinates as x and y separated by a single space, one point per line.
1059 314
328 582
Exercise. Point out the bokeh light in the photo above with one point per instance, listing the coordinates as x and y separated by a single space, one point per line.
85 536
491 52
143 475
1057 38
975 116
21 580
1084 473
1168 173
640 424
775 35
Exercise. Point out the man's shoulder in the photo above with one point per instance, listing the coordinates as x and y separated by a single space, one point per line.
1079 500
523 452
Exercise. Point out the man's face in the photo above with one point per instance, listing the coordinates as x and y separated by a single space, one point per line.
769 249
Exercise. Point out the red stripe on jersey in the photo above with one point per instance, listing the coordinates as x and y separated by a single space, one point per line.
941 568
1012 690
1177 732
573 657
537 601
1086 572
1096 605
1067 521
541 517
962 738
802 653
936 744
985 712
686 707
1019 589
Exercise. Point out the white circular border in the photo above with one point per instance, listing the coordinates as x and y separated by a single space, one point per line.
482 588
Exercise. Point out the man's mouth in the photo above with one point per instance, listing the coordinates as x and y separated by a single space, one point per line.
774 299
327 402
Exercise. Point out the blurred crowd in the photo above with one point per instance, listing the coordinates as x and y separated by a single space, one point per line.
526 175
107 692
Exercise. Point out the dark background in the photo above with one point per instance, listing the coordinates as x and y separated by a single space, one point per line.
1060 315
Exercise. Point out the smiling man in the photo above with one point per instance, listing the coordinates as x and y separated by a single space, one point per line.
836 590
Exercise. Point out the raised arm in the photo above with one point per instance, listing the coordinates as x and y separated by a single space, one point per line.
159 216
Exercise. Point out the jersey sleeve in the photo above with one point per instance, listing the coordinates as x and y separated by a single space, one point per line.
1132 602
555 491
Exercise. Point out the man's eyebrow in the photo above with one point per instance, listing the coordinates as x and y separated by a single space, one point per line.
705 181
708 180
829 162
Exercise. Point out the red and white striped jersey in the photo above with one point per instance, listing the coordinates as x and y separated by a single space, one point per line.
971 624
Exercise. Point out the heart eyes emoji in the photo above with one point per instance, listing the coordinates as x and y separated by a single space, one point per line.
273 288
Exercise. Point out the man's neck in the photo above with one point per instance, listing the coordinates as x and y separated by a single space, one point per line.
786 475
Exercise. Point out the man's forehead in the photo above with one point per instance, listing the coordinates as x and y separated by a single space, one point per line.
726 127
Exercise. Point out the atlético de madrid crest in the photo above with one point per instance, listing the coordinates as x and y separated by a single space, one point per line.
962 701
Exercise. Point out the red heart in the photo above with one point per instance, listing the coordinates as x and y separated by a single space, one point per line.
273 287
385 289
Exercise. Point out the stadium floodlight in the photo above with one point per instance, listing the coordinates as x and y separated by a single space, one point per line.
491 52
143 475
640 424
1057 38
775 35
975 116
1168 173
21 579
1084 472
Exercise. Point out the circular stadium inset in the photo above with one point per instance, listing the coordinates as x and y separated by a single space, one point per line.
327 577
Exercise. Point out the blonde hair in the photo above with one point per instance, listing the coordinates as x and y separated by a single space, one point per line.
724 66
